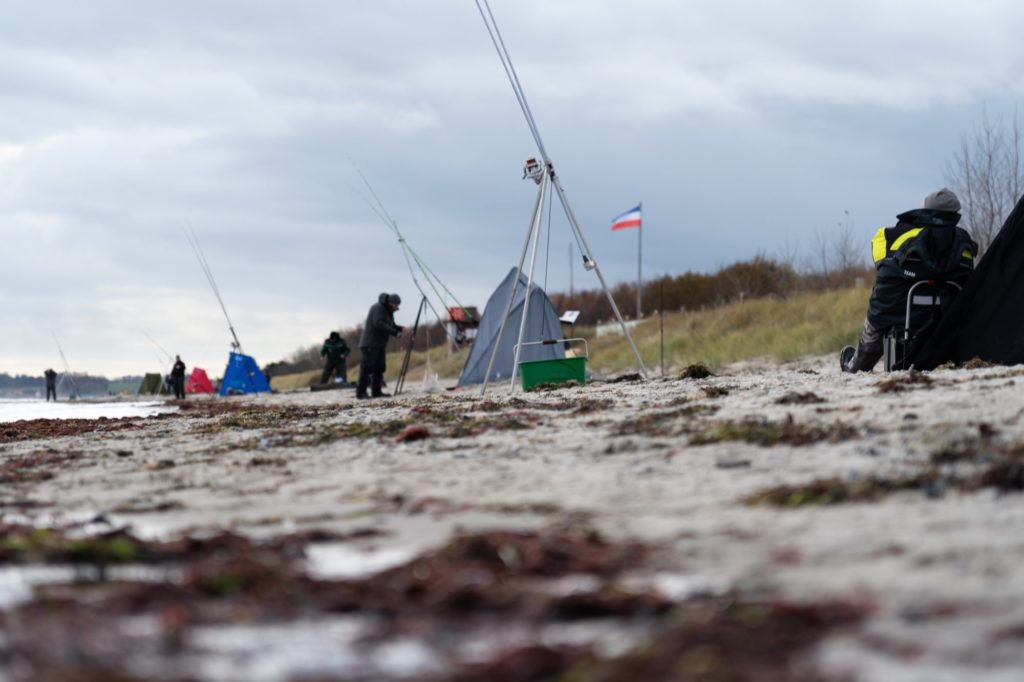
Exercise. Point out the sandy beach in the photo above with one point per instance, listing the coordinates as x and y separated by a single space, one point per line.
767 522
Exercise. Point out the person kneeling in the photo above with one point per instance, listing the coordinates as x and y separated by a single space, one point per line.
925 244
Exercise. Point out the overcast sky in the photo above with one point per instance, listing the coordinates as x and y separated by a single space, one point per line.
743 127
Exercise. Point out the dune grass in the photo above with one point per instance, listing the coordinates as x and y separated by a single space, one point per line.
774 329
780 330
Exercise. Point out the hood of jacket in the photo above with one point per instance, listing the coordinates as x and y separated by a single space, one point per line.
927 217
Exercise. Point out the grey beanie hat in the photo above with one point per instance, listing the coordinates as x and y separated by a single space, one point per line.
942 200
394 299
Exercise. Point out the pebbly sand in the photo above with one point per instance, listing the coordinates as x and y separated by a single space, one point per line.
891 503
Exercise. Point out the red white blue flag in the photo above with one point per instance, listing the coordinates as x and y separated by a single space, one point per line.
630 218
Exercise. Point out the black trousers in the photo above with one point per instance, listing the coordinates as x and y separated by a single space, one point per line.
51 390
331 365
371 370
179 387
869 349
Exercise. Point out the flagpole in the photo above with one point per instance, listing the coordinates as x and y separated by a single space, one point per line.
639 271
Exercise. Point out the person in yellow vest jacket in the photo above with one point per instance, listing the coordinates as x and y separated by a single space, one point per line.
925 244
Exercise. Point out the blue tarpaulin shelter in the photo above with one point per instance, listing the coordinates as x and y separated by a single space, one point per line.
243 375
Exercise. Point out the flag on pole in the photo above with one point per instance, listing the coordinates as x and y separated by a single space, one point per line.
630 218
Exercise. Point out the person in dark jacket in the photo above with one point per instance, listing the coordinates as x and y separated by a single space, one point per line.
380 326
178 378
925 244
51 384
335 354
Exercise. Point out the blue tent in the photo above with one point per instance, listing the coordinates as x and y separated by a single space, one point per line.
243 375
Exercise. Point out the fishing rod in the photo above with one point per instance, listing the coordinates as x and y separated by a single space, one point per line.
67 367
589 262
411 257
168 356
193 241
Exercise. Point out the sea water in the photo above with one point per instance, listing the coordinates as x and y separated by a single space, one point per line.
13 410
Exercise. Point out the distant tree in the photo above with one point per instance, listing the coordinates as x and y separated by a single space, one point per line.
987 173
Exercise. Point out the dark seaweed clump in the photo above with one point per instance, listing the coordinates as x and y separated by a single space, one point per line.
697 371
764 432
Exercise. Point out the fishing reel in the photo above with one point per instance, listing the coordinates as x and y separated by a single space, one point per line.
533 170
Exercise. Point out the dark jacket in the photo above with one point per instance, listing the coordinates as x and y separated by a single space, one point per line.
380 325
178 371
51 377
334 349
924 245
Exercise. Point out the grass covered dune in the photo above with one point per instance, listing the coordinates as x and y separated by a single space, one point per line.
779 329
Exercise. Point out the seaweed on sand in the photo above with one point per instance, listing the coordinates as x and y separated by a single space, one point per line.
664 422
697 371
905 382
764 432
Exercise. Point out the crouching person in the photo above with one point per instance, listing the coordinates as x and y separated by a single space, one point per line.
380 326
925 244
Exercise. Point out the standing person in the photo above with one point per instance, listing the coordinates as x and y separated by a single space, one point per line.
925 244
335 353
380 325
51 384
178 378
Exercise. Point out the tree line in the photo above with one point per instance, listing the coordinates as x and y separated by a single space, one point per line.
88 384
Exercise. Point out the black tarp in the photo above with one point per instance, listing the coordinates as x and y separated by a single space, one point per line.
985 321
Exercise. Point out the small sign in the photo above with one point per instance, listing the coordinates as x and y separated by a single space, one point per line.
569 316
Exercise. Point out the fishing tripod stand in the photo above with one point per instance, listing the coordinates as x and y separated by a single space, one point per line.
543 173
545 177
400 381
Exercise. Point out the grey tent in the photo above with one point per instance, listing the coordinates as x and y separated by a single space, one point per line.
152 384
541 324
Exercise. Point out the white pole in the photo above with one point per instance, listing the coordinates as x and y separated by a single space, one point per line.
538 220
515 285
639 271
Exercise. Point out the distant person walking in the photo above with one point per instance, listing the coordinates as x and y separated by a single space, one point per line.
178 378
51 384
334 353
380 326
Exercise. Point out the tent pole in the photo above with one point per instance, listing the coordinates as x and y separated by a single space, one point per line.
536 228
512 296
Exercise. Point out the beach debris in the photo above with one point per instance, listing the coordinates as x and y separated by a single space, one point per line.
763 432
412 433
697 371
800 398
907 381
829 491
731 463
670 422
159 464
